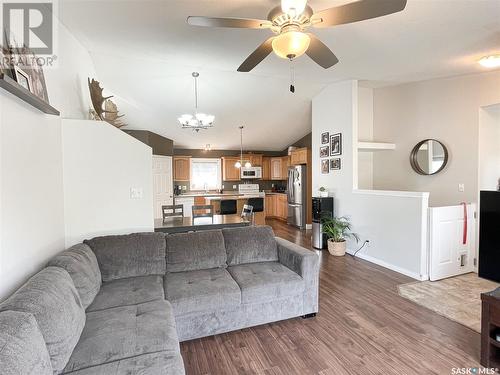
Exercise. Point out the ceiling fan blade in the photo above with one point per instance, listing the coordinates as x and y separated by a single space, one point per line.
257 56
320 53
244 23
357 11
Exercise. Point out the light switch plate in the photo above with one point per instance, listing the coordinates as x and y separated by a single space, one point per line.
136 193
461 188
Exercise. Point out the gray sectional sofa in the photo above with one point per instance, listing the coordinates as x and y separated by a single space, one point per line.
121 304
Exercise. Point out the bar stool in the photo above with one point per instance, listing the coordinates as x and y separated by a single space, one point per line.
207 210
172 210
228 206
247 213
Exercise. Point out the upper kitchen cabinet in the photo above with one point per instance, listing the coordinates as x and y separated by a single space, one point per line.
254 159
299 156
285 163
229 171
182 168
266 168
276 168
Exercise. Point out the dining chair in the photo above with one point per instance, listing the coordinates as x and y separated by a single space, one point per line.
205 210
228 206
172 210
247 213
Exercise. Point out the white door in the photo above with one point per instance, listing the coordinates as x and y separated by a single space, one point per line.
163 184
449 255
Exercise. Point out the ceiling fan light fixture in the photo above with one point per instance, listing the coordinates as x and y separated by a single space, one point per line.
491 61
291 44
293 7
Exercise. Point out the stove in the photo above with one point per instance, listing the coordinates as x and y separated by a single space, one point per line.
250 189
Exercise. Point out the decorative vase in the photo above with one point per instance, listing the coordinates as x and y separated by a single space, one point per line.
323 194
337 248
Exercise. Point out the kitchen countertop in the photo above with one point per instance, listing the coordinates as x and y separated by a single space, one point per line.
222 195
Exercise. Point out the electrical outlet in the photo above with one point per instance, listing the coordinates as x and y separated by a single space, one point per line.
461 188
234 186
136 193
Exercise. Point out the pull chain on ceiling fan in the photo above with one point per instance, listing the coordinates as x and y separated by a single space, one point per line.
291 20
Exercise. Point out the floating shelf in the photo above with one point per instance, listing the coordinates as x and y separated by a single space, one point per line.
375 146
16 89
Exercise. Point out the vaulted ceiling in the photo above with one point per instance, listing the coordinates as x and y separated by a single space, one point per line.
144 53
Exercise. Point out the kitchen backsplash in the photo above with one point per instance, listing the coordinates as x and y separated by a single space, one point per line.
228 185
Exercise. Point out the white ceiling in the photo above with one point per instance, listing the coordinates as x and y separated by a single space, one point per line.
144 53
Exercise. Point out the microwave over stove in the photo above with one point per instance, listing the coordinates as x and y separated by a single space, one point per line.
250 173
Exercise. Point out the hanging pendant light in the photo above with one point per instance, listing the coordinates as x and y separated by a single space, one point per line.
197 121
239 163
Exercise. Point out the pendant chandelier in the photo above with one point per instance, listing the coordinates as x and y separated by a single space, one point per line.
239 163
197 121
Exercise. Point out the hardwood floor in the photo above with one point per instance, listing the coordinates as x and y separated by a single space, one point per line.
363 327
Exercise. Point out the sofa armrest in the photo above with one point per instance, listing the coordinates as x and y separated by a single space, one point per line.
305 263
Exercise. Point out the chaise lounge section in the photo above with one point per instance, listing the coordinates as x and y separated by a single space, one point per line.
121 304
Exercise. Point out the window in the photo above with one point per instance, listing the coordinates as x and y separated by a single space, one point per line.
205 174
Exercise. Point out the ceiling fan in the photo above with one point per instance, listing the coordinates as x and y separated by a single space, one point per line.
290 21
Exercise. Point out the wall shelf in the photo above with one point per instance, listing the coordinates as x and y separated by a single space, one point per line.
375 146
16 89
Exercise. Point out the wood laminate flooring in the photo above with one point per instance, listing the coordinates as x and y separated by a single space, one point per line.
363 327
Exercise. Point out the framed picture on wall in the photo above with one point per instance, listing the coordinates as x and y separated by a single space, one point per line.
336 144
325 166
335 164
324 152
325 138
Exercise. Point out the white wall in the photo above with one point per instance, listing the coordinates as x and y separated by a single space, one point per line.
446 109
100 165
31 181
489 147
365 133
395 223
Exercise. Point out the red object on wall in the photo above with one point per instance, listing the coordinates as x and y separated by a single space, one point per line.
464 241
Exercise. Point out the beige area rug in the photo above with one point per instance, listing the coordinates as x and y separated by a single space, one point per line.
457 298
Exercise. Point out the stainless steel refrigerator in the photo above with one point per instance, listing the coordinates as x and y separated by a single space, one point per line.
297 196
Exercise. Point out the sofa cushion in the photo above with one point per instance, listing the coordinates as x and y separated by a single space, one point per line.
52 298
161 363
129 291
137 254
201 290
81 264
195 251
123 332
266 281
22 347
250 245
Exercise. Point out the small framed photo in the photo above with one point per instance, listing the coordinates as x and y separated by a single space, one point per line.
335 164
324 152
22 78
325 166
325 138
336 144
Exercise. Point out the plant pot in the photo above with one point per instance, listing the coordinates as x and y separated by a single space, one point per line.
337 248
323 194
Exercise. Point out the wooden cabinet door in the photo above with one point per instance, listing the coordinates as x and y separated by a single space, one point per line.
181 168
266 169
229 171
256 160
276 168
269 205
285 163
285 207
299 156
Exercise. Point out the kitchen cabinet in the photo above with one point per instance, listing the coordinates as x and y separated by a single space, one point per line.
182 168
299 156
254 159
285 163
229 171
276 168
276 206
266 168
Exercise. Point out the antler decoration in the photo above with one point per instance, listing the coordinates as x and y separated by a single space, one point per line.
106 110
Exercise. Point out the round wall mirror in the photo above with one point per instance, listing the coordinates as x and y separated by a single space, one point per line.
429 157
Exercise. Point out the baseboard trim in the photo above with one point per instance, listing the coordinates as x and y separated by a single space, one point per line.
309 226
390 266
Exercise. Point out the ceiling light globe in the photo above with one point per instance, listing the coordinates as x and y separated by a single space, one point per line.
492 61
291 44
248 165
237 164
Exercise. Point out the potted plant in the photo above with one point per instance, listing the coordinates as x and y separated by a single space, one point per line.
337 230
323 193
